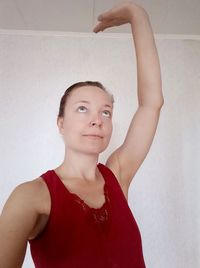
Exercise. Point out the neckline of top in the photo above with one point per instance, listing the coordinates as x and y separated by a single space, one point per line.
79 199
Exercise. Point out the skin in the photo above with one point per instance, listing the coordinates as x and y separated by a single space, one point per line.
26 211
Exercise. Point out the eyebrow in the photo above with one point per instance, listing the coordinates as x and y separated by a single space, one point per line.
84 101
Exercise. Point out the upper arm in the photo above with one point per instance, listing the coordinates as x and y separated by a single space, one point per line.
129 156
16 222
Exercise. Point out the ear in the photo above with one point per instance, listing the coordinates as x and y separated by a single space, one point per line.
60 123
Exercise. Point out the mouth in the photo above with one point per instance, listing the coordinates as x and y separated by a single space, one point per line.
94 136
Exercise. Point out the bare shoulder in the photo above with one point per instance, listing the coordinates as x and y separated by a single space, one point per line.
43 199
29 194
24 208
19 217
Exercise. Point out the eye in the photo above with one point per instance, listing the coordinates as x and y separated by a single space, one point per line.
107 113
82 109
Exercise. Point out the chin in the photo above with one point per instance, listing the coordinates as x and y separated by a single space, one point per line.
92 149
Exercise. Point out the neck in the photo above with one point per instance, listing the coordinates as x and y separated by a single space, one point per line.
80 166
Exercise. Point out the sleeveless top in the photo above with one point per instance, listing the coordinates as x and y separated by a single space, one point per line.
78 236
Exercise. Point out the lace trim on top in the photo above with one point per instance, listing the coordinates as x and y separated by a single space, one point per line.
99 215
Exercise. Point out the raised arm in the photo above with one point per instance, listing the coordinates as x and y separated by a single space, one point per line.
126 160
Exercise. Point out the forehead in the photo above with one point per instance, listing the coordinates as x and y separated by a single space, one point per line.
91 94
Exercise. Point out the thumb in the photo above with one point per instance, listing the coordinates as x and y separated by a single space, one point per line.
100 17
105 15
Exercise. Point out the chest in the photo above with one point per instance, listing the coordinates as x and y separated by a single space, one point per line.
92 194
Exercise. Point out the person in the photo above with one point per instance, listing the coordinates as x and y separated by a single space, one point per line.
77 215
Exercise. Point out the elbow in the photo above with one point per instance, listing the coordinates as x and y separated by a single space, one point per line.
161 103
154 104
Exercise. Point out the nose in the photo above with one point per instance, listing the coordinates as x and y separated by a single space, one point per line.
96 120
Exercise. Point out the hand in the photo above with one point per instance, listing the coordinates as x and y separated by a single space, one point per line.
118 15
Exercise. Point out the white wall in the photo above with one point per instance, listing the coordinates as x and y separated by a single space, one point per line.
35 70
167 17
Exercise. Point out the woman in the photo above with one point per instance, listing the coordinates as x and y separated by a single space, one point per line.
77 215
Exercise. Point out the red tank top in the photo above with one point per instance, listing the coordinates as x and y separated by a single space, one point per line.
78 236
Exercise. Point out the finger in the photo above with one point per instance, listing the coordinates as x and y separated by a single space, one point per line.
98 28
100 17
103 25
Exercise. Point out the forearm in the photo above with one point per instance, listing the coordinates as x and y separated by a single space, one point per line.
149 84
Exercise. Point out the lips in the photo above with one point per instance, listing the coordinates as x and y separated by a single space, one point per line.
94 135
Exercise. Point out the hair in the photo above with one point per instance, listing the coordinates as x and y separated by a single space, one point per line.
78 85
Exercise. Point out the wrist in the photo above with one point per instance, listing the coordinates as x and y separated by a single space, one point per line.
137 13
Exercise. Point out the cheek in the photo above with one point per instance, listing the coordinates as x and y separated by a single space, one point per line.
73 126
109 127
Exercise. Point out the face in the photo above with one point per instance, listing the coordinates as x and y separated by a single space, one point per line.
87 123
